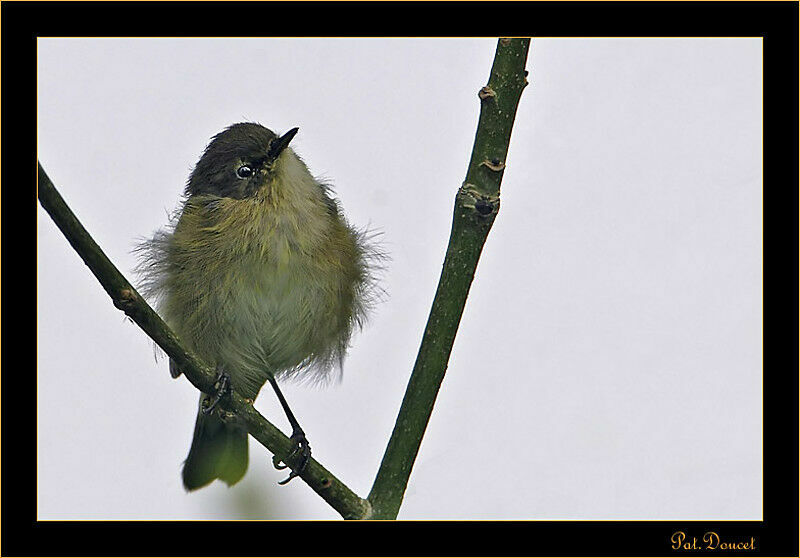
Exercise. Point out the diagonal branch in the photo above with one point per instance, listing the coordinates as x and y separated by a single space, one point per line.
476 206
125 297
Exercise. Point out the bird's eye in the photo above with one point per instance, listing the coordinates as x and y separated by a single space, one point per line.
244 172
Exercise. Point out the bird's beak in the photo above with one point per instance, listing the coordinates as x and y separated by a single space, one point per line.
278 145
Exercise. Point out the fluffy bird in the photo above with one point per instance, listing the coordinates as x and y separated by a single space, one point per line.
260 275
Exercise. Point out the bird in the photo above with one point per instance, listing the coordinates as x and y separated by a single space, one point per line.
260 274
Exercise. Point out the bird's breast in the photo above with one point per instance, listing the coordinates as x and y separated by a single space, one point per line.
272 284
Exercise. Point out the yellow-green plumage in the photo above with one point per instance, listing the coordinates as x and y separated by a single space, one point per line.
263 277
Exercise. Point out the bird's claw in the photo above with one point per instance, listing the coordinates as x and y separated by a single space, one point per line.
223 387
302 447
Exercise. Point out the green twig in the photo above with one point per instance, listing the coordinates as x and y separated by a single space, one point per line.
125 297
477 203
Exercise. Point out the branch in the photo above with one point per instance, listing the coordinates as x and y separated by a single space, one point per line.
125 297
477 203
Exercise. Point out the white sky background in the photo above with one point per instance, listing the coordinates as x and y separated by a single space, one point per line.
608 364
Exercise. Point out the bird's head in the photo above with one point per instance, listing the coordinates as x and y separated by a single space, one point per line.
239 161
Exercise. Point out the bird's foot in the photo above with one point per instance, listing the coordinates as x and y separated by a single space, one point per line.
223 386
301 447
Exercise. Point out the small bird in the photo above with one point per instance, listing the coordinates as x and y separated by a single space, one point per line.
261 276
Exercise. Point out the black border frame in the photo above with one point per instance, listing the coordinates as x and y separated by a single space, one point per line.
22 22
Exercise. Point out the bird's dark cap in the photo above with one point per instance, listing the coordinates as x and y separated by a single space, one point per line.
244 142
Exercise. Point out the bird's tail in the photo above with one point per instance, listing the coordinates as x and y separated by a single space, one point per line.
219 451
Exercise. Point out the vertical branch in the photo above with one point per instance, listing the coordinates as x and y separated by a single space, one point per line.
476 205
